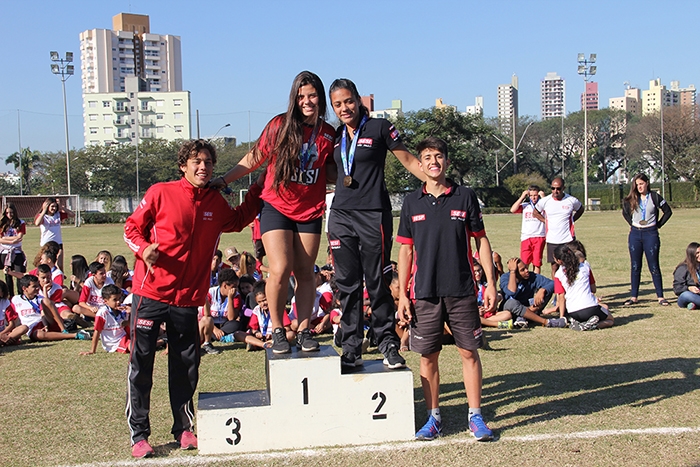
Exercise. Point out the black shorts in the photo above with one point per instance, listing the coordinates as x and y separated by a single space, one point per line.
229 326
550 251
587 313
272 219
460 313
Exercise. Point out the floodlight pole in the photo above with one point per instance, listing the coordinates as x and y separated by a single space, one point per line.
61 68
586 69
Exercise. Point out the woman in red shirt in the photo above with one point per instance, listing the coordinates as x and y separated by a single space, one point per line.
296 146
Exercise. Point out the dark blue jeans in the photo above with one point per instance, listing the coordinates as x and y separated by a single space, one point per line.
647 242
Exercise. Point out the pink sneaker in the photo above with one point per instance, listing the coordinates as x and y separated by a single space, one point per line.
187 440
142 449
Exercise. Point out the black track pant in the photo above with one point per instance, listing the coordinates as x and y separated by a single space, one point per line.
183 364
361 243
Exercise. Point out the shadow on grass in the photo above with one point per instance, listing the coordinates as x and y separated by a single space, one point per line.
623 320
23 346
575 391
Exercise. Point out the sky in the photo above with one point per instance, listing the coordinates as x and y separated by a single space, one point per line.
240 57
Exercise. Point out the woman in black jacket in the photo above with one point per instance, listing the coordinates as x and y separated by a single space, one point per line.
646 212
686 278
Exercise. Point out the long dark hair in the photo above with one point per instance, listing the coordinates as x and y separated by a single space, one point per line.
79 267
633 197
6 222
569 262
344 83
290 135
691 262
119 271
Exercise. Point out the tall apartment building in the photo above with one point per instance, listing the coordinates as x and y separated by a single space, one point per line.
631 102
125 61
589 98
686 96
477 108
552 96
368 101
439 104
508 104
108 57
396 110
133 115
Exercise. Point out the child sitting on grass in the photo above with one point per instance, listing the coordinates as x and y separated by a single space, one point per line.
9 321
575 286
91 295
219 315
39 316
111 323
259 335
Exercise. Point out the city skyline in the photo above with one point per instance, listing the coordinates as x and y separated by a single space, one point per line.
239 59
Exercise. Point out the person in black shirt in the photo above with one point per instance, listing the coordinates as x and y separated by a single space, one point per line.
360 226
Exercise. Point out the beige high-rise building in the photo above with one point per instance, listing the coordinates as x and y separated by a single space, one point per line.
631 102
109 56
656 96
686 96
508 104
553 96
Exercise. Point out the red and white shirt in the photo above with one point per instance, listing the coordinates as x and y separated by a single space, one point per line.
50 228
11 232
322 303
109 324
559 216
260 321
578 295
29 311
7 313
218 304
91 294
531 227
56 296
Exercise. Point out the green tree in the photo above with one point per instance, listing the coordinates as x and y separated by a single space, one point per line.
24 163
467 138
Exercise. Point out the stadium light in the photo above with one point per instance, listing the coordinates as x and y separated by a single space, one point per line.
63 70
585 69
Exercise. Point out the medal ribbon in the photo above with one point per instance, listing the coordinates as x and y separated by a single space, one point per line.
265 323
348 159
34 305
306 149
643 206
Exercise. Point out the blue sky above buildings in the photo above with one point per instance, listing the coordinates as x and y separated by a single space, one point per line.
239 57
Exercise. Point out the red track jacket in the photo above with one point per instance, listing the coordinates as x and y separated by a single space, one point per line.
186 222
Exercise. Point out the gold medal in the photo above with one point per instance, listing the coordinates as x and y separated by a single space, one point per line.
347 181
643 222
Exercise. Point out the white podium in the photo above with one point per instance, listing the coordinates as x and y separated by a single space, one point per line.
309 402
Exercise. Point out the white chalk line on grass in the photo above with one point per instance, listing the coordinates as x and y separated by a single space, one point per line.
206 460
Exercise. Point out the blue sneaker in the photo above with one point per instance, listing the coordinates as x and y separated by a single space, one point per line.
479 429
431 430
228 338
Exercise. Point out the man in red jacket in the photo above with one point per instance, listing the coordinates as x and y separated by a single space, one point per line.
174 233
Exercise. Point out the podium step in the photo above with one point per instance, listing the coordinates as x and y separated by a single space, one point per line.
309 402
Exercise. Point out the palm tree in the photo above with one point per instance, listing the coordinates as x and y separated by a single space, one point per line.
27 160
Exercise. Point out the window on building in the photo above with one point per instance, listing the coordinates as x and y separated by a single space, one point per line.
160 116
160 129
93 130
120 107
178 128
93 117
177 115
177 102
92 104
107 117
160 103
106 103
108 130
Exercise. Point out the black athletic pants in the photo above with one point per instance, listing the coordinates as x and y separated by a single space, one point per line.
183 364
361 243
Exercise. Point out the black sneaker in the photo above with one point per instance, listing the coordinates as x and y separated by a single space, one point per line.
279 341
70 325
210 349
350 360
392 359
306 342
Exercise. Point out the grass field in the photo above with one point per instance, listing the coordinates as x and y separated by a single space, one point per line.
628 395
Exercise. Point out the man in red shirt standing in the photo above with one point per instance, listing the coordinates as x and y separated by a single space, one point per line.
174 233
